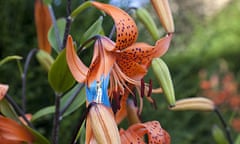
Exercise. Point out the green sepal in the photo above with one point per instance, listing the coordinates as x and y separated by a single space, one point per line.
161 71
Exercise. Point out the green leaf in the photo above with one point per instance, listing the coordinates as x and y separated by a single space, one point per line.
218 135
47 2
59 76
80 8
43 112
7 110
237 141
81 133
38 138
9 58
94 29
77 103
61 23
161 71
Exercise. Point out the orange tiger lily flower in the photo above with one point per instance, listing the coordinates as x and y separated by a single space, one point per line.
14 133
135 134
132 58
43 22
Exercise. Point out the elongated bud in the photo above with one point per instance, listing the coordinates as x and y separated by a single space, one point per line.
104 127
163 76
43 22
164 13
132 112
3 90
197 103
45 59
145 17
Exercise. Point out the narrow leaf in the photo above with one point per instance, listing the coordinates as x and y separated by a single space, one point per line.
59 75
93 30
7 110
9 58
61 23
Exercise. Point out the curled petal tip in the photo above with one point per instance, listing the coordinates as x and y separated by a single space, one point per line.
76 66
126 28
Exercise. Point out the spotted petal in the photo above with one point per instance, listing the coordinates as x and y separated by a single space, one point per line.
76 66
136 132
127 32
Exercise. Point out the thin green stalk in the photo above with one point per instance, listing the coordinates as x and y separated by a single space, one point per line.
68 24
24 74
71 99
225 126
18 109
56 30
56 119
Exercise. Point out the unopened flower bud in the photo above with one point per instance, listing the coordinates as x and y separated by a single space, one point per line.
164 13
45 59
103 125
197 103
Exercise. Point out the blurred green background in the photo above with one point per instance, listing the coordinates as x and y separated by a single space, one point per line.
206 33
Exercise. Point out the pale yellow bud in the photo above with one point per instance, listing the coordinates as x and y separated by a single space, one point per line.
164 13
197 103
103 125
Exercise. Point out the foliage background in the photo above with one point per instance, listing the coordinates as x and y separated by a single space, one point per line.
200 41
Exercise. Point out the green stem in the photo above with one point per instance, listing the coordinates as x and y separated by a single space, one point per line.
225 126
56 119
24 74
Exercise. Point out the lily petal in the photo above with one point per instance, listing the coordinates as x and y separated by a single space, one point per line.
162 45
127 32
136 132
43 22
11 130
102 61
3 90
76 66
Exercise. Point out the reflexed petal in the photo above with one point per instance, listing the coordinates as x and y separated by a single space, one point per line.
136 132
162 46
3 90
43 22
135 59
11 130
76 66
126 28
